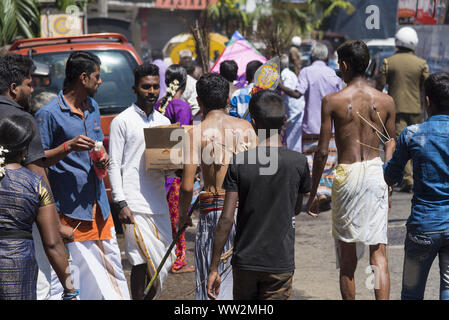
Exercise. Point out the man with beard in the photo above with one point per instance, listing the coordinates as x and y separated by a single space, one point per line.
70 127
15 99
140 193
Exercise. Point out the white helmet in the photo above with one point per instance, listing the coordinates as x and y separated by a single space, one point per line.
406 37
296 41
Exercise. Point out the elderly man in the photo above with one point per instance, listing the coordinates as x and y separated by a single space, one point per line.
315 82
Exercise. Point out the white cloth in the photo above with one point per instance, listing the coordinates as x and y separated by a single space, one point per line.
189 95
44 272
294 108
143 190
96 270
147 242
360 204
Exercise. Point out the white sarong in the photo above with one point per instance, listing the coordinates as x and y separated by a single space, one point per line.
96 270
147 241
359 205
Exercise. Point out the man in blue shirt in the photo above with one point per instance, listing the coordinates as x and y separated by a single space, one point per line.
69 127
427 145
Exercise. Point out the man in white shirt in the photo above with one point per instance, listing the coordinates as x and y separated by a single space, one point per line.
189 95
139 193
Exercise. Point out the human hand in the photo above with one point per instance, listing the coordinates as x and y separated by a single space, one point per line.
312 207
126 216
103 163
213 284
80 143
66 233
184 221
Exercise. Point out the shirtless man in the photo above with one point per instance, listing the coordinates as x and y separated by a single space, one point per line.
212 144
361 116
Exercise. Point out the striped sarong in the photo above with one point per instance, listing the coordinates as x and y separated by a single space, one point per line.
309 146
211 206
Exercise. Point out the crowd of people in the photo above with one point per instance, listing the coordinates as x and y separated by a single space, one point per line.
330 137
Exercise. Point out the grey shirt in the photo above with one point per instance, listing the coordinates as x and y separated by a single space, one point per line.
35 151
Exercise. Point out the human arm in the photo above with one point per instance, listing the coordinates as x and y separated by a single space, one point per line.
381 79
223 229
116 147
320 155
188 180
394 168
290 92
47 224
79 143
304 187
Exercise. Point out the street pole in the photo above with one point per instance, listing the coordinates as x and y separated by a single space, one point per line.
103 8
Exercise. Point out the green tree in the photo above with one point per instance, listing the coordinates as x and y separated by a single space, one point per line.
18 18
228 16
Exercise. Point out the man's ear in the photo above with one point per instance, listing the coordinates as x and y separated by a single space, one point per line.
228 101
13 90
427 105
84 78
201 105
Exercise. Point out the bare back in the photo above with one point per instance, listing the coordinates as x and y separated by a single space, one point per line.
362 116
222 136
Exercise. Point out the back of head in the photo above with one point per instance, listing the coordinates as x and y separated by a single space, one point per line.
16 133
41 99
79 62
267 110
14 68
145 69
213 91
356 55
319 51
284 60
406 37
156 54
176 72
228 69
437 89
251 69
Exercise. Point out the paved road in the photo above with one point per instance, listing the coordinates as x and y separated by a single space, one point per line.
316 277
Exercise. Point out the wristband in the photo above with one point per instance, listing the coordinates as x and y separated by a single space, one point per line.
65 148
70 295
122 204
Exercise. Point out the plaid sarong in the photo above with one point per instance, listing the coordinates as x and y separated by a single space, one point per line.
211 206
309 146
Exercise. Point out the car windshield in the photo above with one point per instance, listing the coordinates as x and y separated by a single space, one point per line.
114 94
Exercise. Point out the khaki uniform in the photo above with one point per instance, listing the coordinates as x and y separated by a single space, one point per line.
404 73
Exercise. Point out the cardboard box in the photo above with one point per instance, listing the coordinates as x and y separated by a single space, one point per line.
164 147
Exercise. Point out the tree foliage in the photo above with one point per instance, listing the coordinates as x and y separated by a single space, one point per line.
18 18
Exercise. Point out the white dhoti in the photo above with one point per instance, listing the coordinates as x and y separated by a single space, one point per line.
44 274
359 205
96 270
147 242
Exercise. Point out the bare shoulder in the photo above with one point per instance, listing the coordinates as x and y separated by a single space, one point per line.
384 100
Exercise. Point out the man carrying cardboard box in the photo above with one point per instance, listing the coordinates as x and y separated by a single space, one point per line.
140 193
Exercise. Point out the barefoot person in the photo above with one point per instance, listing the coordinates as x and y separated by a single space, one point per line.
140 193
360 115
208 139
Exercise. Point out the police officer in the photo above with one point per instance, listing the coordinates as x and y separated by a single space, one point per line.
404 73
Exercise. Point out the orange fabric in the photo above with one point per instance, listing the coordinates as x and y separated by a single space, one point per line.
98 229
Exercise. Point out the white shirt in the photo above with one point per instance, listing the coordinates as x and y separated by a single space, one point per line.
143 190
189 95
294 106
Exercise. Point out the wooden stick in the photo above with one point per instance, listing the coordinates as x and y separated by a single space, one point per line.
369 123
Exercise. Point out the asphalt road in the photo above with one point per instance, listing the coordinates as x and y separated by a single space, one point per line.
316 276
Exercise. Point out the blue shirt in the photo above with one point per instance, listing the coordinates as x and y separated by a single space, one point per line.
427 145
73 180
240 102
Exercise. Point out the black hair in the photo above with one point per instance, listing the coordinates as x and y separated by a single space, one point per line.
145 69
157 54
14 68
16 133
228 69
173 72
356 54
79 62
436 87
267 109
251 69
213 91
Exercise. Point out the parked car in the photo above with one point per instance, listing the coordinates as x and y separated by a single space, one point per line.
118 60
